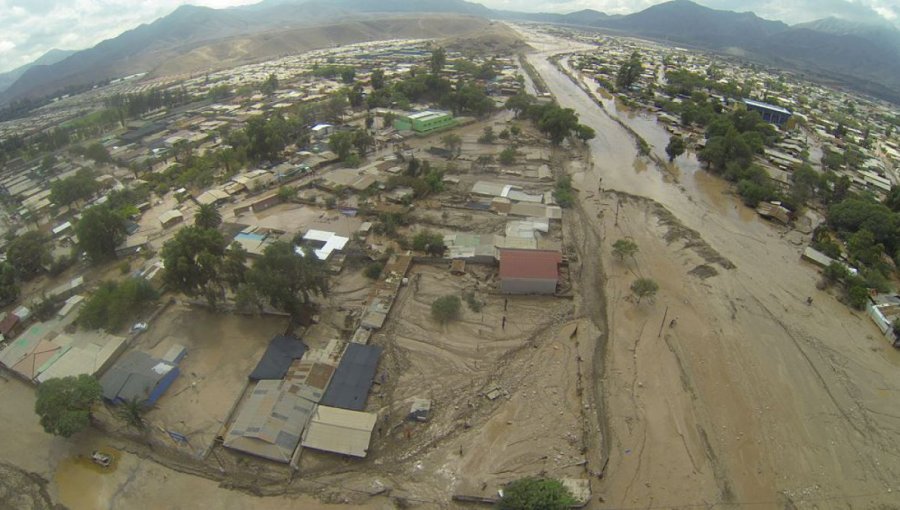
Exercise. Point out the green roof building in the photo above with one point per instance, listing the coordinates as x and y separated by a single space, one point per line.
425 122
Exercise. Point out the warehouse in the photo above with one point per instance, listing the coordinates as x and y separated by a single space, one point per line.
425 122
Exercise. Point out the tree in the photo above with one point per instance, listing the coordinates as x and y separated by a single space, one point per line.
429 242
453 143
563 192
208 217
625 248
193 261
348 75
288 280
29 254
373 270
115 304
557 123
629 72
535 494
520 103
446 309
835 272
79 187
132 413
234 266
438 60
644 287
9 291
99 232
675 148
270 85
64 405
341 143
377 80
356 96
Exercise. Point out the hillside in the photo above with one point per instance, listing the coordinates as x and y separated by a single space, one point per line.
239 50
192 39
51 57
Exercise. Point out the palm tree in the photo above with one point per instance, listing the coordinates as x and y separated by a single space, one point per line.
132 413
208 217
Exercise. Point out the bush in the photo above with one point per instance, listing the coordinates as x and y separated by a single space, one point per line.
473 302
536 493
446 309
563 192
508 156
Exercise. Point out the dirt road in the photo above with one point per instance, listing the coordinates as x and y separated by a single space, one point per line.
752 397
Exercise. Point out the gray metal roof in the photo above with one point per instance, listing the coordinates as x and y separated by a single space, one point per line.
134 376
282 351
352 380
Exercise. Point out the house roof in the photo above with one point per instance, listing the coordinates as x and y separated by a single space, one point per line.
85 356
340 431
537 264
271 421
353 378
35 360
170 215
8 323
282 351
134 376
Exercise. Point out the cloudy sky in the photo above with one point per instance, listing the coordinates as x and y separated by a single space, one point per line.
30 28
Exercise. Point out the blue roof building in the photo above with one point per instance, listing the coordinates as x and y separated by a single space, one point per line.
769 112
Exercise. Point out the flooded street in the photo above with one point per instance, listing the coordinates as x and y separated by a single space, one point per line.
755 397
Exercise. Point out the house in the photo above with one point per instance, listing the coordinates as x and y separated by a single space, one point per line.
254 243
132 245
138 376
266 202
68 289
324 243
279 355
774 212
170 218
84 354
271 421
529 271
14 321
322 131
340 431
213 196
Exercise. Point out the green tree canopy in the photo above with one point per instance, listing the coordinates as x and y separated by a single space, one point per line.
286 279
208 217
676 147
629 72
64 405
29 254
625 248
644 287
193 260
446 309
438 60
9 291
99 232
115 304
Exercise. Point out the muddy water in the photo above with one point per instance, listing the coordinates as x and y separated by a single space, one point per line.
83 485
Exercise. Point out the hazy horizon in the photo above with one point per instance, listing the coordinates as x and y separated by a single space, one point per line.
31 28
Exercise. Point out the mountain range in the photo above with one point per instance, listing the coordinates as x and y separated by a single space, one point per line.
863 56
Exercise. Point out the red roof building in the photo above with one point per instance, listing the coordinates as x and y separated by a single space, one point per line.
529 271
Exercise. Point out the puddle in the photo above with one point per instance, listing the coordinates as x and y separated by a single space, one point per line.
81 483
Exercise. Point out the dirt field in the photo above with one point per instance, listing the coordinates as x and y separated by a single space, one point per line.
753 397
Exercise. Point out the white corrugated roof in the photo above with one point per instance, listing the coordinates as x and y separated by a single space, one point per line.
340 431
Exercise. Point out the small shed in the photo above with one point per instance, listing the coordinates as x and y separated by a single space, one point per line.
170 218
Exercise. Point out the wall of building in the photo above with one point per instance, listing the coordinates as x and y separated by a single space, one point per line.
527 286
